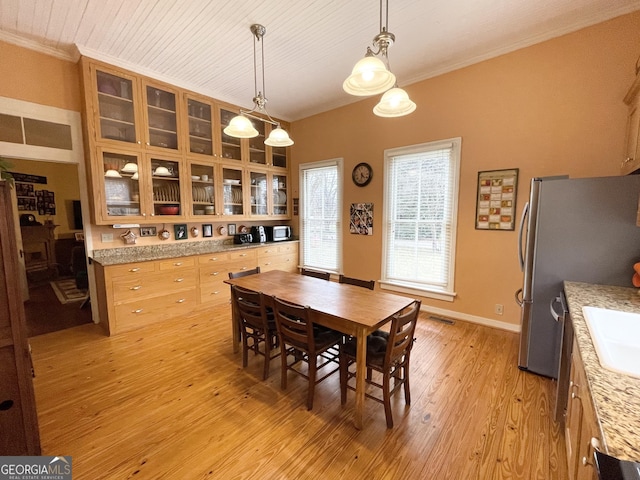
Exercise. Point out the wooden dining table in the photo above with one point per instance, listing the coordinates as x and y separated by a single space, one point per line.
346 308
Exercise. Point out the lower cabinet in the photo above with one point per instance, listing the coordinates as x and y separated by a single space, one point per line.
582 434
133 295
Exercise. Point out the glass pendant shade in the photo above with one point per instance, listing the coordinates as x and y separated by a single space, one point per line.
278 138
240 127
394 103
369 77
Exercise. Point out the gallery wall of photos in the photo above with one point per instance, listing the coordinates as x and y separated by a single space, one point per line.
31 196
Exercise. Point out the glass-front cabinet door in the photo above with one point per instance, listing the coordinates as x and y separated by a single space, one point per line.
200 117
202 190
257 148
231 147
279 157
117 181
162 124
232 193
165 174
280 195
259 194
117 112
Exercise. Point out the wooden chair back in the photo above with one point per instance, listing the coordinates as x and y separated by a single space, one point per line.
315 273
250 307
403 327
244 273
370 284
294 326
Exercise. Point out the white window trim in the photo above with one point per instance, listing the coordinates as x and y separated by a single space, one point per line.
339 163
402 287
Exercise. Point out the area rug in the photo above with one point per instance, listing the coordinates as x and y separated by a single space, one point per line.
67 292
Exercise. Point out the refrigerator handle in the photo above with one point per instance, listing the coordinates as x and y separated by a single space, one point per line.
558 317
525 212
519 297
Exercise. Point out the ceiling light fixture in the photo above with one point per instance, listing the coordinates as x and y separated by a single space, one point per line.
370 76
240 126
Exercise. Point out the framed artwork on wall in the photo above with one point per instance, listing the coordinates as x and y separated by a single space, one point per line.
180 231
496 199
207 230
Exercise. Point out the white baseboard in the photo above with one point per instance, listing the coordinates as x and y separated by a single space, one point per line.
472 318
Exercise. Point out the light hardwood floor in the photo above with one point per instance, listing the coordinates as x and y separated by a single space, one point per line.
172 402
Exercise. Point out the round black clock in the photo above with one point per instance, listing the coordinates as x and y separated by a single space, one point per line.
362 174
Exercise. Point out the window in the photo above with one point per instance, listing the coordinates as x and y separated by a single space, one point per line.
321 215
420 211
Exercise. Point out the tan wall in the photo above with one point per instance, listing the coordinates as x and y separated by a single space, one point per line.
62 180
34 77
553 108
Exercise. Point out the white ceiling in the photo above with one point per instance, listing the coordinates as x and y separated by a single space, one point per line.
310 45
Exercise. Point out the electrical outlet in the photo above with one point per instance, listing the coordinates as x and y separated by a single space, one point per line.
499 308
107 237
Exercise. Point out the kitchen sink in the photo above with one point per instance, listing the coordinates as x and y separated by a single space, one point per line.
616 337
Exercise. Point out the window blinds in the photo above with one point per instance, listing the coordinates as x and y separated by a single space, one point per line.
421 192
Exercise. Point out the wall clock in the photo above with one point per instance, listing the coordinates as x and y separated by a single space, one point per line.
362 174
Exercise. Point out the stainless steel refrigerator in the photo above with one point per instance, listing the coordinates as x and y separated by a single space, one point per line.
581 229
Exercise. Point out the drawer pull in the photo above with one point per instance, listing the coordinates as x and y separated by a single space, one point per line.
243 268
216 292
177 264
182 300
179 280
137 269
137 287
243 254
214 273
267 263
213 259
139 310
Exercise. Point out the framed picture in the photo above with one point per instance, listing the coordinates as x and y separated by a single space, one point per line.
496 199
207 230
231 228
361 219
180 231
148 231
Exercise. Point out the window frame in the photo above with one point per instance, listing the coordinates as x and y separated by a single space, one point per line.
446 292
339 164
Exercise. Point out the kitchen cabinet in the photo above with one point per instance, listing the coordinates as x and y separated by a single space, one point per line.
581 431
631 161
278 257
135 124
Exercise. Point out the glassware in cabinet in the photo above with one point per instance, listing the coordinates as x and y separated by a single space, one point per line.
259 193
120 186
116 108
231 147
200 120
257 148
162 128
279 184
202 189
232 193
166 188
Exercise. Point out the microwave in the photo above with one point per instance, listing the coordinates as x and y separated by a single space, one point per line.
278 233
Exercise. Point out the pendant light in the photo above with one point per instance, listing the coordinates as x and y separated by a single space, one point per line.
240 126
371 75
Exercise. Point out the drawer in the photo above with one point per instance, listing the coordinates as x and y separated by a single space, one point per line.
152 285
152 310
264 252
286 262
288 248
215 292
241 265
214 272
213 258
248 255
130 269
176 263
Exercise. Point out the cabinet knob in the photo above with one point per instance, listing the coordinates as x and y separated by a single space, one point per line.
216 292
178 280
182 300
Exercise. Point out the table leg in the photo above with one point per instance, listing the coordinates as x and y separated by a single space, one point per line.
361 369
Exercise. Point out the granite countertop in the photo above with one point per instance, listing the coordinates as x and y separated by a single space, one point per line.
616 397
117 256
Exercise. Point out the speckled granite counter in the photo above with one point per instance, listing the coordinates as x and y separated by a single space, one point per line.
116 256
616 397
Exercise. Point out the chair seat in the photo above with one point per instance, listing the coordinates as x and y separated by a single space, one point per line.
376 347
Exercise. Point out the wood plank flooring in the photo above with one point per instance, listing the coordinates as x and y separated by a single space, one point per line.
173 402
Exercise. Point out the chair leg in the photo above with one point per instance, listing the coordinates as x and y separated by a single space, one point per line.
312 381
407 391
245 350
386 396
267 356
343 378
283 363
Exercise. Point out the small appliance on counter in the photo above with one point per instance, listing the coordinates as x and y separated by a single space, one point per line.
258 234
240 238
278 233
611 468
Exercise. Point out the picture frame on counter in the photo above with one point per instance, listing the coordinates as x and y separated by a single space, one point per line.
496 199
231 228
207 230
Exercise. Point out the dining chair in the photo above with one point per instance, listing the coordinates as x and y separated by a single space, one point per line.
387 353
315 273
257 326
244 273
302 341
370 284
